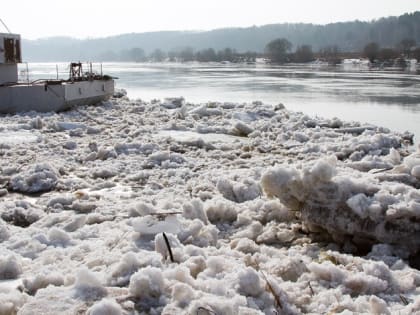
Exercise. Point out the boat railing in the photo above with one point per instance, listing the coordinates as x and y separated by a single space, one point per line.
76 71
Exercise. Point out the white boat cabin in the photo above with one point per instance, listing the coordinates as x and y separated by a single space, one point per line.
10 56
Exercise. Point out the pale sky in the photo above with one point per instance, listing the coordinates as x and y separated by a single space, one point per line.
101 18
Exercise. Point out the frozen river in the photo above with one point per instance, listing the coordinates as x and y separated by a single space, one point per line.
385 98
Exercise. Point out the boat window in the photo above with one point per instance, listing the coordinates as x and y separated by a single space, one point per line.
12 52
17 50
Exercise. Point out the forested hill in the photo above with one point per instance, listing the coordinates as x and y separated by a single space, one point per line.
347 36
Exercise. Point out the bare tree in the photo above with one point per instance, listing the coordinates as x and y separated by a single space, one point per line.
371 51
278 49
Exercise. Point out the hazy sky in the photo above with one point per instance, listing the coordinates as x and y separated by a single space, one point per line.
100 18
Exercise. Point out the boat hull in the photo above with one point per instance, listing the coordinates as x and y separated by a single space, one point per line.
47 97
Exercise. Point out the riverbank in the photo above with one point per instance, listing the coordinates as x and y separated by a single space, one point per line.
217 208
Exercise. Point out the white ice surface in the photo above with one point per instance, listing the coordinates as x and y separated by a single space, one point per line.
18 137
265 210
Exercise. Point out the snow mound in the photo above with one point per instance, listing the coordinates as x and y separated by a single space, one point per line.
242 129
218 210
43 280
88 286
205 110
105 307
36 178
147 283
121 273
10 268
166 159
250 282
20 213
173 102
11 302
237 191
195 210
58 237
182 294
349 205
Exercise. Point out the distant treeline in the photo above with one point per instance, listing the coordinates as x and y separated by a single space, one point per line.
279 51
276 51
348 37
183 55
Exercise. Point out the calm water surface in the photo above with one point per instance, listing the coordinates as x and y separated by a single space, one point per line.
385 98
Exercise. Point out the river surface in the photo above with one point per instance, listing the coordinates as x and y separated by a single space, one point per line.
352 92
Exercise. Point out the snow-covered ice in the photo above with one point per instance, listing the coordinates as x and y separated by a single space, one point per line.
264 211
